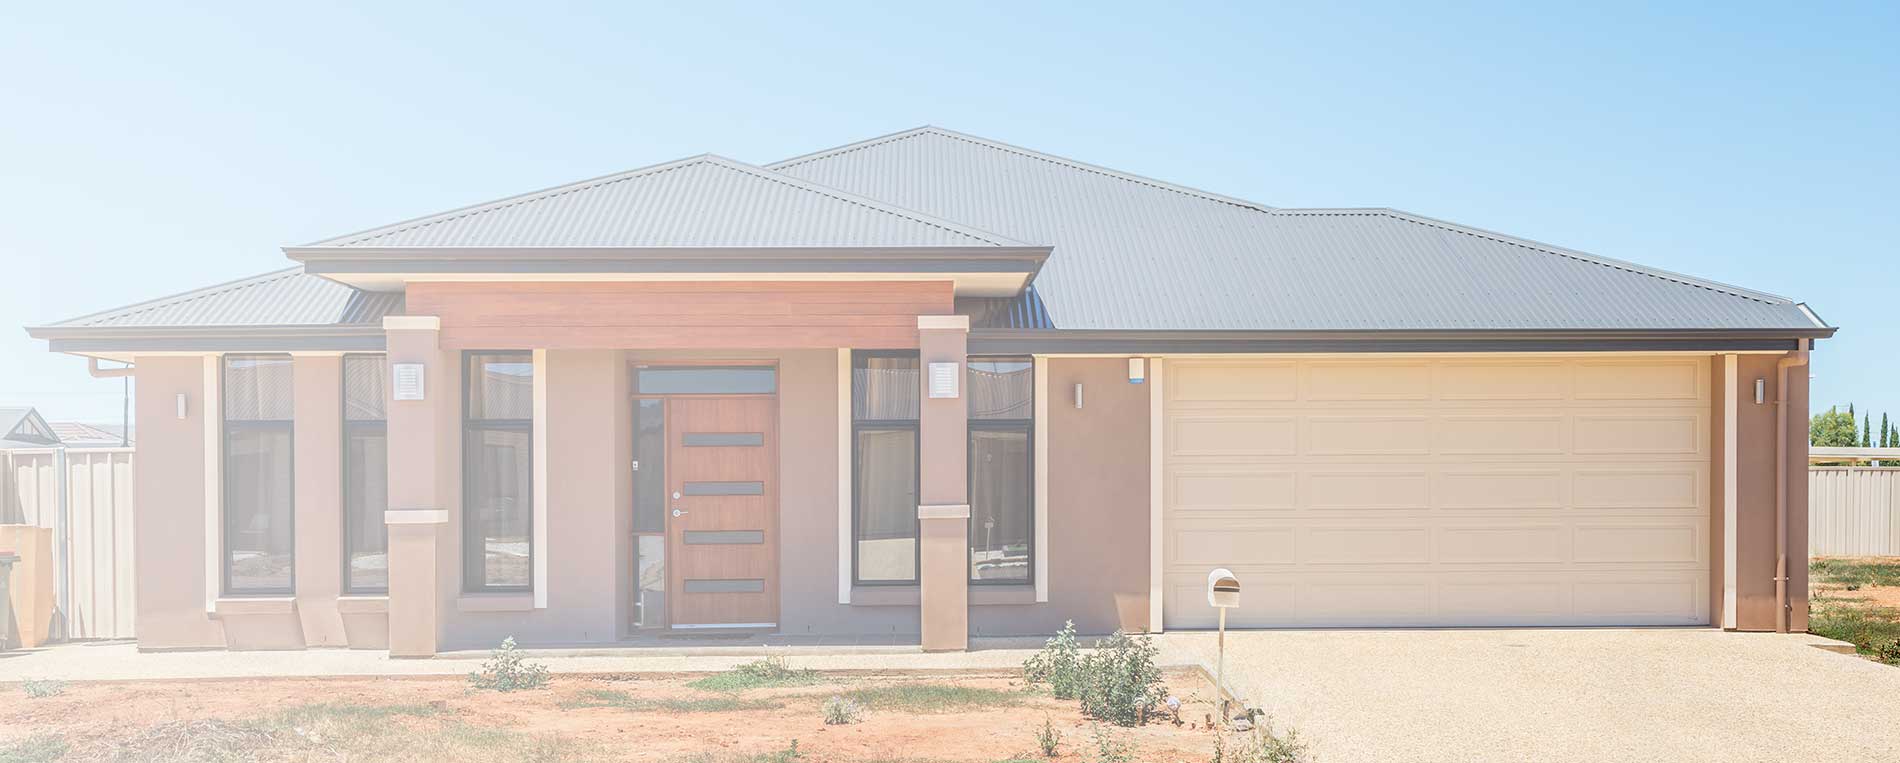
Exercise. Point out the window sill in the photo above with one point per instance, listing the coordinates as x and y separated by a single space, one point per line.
886 596
495 602
254 605
362 604
1002 595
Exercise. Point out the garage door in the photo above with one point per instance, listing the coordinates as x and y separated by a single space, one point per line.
1446 491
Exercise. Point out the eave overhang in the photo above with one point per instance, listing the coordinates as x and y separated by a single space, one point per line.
91 340
989 270
1128 342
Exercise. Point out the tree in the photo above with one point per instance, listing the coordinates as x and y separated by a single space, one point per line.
1886 436
1867 430
1833 429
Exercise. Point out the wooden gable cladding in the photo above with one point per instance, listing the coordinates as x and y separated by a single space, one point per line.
680 315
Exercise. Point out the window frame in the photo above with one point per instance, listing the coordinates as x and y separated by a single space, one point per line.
225 427
474 564
1026 425
858 427
350 426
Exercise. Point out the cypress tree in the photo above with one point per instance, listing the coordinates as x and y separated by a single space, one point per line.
1867 430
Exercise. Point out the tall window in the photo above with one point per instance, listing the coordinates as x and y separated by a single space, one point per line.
884 404
365 475
1002 494
497 453
257 475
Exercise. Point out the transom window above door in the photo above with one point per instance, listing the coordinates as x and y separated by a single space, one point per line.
706 380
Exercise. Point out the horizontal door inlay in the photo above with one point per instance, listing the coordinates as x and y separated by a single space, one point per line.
724 488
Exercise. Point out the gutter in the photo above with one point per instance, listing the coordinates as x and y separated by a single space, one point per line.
1795 359
277 338
1127 341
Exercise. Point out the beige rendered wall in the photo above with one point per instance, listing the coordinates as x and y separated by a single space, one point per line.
1755 557
170 485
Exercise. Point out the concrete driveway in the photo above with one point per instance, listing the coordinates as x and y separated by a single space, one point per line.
1562 695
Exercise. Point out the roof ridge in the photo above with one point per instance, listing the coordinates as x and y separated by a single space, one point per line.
1518 241
651 170
183 296
1026 153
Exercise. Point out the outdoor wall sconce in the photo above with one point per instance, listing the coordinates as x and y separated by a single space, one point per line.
1137 370
1761 390
181 405
1078 396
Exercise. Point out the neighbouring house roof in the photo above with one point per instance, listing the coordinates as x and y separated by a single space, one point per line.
1134 254
24 428
73 434
1103 261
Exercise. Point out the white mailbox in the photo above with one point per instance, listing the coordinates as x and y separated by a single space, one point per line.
1223 589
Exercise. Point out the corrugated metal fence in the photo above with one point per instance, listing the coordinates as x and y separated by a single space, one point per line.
1853 511
85 496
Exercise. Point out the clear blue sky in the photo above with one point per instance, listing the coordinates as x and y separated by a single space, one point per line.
149 149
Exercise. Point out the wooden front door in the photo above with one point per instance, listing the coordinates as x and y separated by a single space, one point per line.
722 524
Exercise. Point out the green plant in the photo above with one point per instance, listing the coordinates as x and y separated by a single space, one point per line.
1262 745
1058 664
840 711
1120 682
507 669
1111 746
43 687
1047 737
615 698
931 697
38 748
768 672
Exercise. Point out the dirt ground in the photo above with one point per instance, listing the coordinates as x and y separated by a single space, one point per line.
991 717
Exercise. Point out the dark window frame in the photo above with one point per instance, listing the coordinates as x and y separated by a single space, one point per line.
474 548
225 427
350 427
1026 425
858 427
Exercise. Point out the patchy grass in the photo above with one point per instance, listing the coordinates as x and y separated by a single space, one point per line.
770 672
619 699
39 748
931 697
1835 611
42 688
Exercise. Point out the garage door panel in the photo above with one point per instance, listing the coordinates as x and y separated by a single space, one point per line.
1441 491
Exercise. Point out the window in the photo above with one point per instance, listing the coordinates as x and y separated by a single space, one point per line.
649 511
365 475
497 458
708 380
258 546
885 392
1002 493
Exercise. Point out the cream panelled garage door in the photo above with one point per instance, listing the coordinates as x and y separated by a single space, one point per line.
1455 490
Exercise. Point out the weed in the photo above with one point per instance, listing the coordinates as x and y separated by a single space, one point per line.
1874 631
840 711
508 670
1058 664
1047 737
1121 683
758 674
1856 572
1111 746
1262 745
931 698
39 748
620 699
43 687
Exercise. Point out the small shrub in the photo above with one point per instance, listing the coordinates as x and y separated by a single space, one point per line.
1262 745
1111 746
508 670
1058 664
1047 737
1888 651
841 712
43 687
1120 682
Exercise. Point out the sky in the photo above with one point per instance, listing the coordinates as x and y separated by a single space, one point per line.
149 149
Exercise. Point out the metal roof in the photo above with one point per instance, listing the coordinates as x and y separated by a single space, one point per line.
281 298
702 201
1138 254
23 428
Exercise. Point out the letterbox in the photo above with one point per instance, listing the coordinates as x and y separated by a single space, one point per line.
1223 589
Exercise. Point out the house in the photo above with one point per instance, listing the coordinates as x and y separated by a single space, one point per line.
73 434
931 386
25 428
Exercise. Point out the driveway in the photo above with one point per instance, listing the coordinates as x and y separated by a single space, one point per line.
1562 695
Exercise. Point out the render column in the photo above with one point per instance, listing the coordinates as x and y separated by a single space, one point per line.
418 511
943 491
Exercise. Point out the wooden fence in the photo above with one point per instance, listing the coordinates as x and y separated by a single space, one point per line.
1853 511
85 496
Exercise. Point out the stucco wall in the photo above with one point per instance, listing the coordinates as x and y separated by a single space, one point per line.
170 484
1755 495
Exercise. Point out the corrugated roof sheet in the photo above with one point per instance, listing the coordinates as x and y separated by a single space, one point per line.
703 201
282 298
1133 253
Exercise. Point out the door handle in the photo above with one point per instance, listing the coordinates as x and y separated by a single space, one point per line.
677 513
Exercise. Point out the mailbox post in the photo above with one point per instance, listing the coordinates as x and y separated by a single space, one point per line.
1223 593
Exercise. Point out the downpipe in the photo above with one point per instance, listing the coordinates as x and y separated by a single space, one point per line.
1795 359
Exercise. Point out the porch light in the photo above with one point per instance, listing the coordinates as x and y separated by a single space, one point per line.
1137 370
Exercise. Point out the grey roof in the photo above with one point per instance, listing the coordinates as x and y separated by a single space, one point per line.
24 428
702 201
281 298
73 434
1137 254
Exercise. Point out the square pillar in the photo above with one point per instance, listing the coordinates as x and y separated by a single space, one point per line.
943 491
418 513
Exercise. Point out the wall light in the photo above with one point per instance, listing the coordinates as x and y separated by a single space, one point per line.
181 405
1078 395
1761 390
1137 370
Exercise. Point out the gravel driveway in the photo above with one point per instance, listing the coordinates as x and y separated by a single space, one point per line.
1562 695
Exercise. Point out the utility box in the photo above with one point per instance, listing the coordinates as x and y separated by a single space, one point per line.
1223 589
7 558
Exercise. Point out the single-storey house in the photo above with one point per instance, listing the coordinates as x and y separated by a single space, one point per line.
932 386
